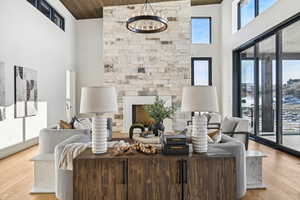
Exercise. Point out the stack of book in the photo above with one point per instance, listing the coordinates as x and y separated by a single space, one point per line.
175 145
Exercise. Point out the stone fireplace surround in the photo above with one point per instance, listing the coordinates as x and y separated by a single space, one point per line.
129 101
147 64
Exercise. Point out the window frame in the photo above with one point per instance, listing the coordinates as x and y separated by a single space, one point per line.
37 5
239 13
277 32
209 59
210 29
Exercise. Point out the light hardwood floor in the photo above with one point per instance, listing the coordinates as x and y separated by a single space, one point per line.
281 175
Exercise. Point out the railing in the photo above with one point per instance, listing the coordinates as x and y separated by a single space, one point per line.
290 122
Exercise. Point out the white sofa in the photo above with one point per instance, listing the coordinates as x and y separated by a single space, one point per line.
48 178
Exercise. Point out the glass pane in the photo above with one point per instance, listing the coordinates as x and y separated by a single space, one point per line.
33 2
291 86
201 72
248 86
58 20
201 30
265 4
247 10
267 88
45 8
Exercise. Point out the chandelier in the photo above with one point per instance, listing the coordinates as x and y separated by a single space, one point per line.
147 21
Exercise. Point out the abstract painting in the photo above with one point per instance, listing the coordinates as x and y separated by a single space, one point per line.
26 95
2 92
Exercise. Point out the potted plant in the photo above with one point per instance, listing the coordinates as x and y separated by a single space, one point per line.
159 111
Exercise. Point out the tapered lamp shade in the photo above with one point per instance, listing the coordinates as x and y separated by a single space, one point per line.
98 100
199 99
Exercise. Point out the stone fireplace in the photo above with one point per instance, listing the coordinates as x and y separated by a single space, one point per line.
129 102
142 66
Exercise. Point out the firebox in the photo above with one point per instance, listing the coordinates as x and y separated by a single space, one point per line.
140 116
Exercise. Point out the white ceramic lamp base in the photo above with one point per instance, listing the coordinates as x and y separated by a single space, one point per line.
199 134
99 135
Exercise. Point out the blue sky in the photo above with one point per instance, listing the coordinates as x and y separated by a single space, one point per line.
200 30
201 72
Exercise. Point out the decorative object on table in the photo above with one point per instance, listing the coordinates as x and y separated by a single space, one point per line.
26 94
147 140
147 134
2 92
147 20
125 149
175 145
98 101
199 99
159 111
135 126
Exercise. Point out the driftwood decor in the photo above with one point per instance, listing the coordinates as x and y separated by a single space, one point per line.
127 149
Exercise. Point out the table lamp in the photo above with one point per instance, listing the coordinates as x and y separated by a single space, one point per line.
199 99
98 101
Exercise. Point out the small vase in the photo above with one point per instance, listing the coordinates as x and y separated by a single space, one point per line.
158 128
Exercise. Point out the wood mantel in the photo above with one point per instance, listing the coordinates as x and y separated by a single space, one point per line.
154 177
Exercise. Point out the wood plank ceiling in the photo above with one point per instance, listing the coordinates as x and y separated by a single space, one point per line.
87 9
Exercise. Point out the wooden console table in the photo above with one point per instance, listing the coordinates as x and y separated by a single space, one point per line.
154 177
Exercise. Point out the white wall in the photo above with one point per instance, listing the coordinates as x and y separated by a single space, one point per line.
29 39
89 54
212 50
280 11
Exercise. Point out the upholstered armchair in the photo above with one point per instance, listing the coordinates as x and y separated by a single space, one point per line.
237 128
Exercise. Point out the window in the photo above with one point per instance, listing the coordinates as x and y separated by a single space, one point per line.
201 30
265 4
201 71
247 12
45 8
267 72
33 2
249 9
49 12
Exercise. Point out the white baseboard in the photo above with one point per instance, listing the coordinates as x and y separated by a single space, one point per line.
18 147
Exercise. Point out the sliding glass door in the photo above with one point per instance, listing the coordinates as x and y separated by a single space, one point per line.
266 52
248 86
291 86
267 71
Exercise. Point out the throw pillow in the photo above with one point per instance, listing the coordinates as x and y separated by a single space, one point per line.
64 125
83 123
215 135
209 140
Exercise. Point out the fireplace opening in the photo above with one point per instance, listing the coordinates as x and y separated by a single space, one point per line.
140 116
